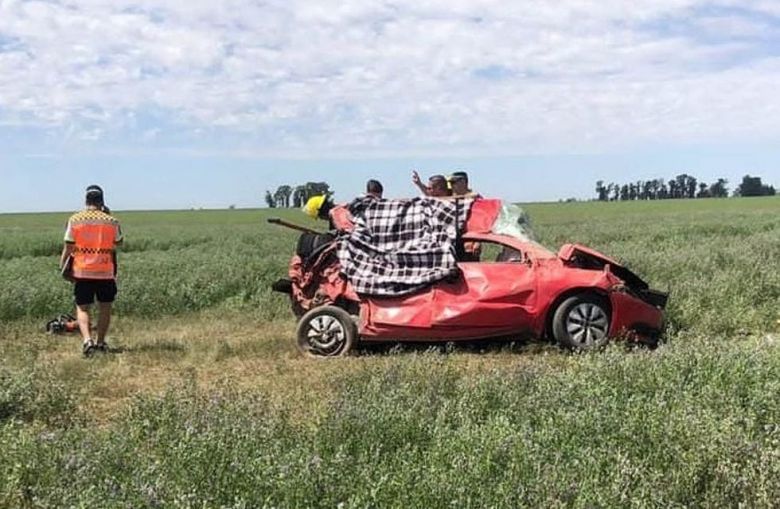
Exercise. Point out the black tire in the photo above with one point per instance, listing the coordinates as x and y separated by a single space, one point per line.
312 243
326 331
582 322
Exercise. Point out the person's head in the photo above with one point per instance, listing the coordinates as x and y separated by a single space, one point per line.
95 197
460 183
437 186
374 188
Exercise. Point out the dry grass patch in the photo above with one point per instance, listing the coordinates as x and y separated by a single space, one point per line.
217 351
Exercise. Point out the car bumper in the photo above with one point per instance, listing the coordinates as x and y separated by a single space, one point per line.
637 316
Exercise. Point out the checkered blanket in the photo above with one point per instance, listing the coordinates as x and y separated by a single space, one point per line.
399 247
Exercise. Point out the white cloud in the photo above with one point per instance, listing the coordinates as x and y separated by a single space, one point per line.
361 77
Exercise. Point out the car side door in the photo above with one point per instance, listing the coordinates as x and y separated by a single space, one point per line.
493 295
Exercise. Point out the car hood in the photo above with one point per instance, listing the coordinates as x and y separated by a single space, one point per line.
578 255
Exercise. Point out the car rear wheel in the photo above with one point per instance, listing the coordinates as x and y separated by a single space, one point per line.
582 322
326 331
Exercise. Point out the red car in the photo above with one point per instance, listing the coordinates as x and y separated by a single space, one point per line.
577 297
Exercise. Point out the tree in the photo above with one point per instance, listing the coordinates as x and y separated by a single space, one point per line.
673 190
647 190
704 190
624 192
657 185
269 200
615 192
282 196
317 188
752 186
602 191
652 189
719 189
300 196
663 191
682 185
691 182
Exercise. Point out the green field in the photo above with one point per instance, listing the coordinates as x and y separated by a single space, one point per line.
207 404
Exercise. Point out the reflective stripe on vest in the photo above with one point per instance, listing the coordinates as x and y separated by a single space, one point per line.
93 256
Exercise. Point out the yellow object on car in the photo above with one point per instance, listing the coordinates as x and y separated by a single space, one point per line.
313 206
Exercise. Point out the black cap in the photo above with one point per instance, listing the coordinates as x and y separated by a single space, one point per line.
95 196
459 175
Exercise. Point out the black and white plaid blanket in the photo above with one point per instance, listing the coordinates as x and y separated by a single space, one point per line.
399 247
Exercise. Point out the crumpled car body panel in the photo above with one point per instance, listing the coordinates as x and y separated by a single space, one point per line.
488 299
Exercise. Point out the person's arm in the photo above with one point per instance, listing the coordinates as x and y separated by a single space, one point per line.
120 237
70 245
67 250
416 180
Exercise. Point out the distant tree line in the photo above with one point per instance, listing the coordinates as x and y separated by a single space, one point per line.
287 196
680 187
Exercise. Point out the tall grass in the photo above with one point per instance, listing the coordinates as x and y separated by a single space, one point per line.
248 424
719 259
693 426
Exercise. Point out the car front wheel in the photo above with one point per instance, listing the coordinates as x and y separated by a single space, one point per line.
326 331
582 322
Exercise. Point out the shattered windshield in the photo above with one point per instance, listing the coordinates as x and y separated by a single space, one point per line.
514 222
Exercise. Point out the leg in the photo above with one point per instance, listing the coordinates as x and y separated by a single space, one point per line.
106 293
85 296
82 315
104 320
84 293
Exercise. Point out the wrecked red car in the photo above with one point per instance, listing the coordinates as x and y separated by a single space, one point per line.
508 286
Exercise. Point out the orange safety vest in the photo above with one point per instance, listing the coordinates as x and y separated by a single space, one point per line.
94 234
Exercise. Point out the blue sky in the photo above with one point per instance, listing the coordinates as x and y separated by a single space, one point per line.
206 104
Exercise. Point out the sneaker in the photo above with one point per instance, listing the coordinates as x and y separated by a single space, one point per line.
88 348
102 347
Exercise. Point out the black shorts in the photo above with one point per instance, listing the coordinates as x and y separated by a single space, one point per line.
86 291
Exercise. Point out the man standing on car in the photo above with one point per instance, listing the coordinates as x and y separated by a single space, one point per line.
91 239
459 181
460 185
375 189
437 186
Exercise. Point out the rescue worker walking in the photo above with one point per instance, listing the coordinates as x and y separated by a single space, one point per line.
91 239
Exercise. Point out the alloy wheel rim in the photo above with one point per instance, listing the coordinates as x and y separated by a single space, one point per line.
326 335
587 325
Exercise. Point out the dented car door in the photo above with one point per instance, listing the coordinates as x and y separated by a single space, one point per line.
492 295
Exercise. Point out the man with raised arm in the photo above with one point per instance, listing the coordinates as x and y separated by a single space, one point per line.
437 186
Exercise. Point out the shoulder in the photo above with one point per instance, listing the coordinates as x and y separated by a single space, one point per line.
110 218
93 217
77 216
